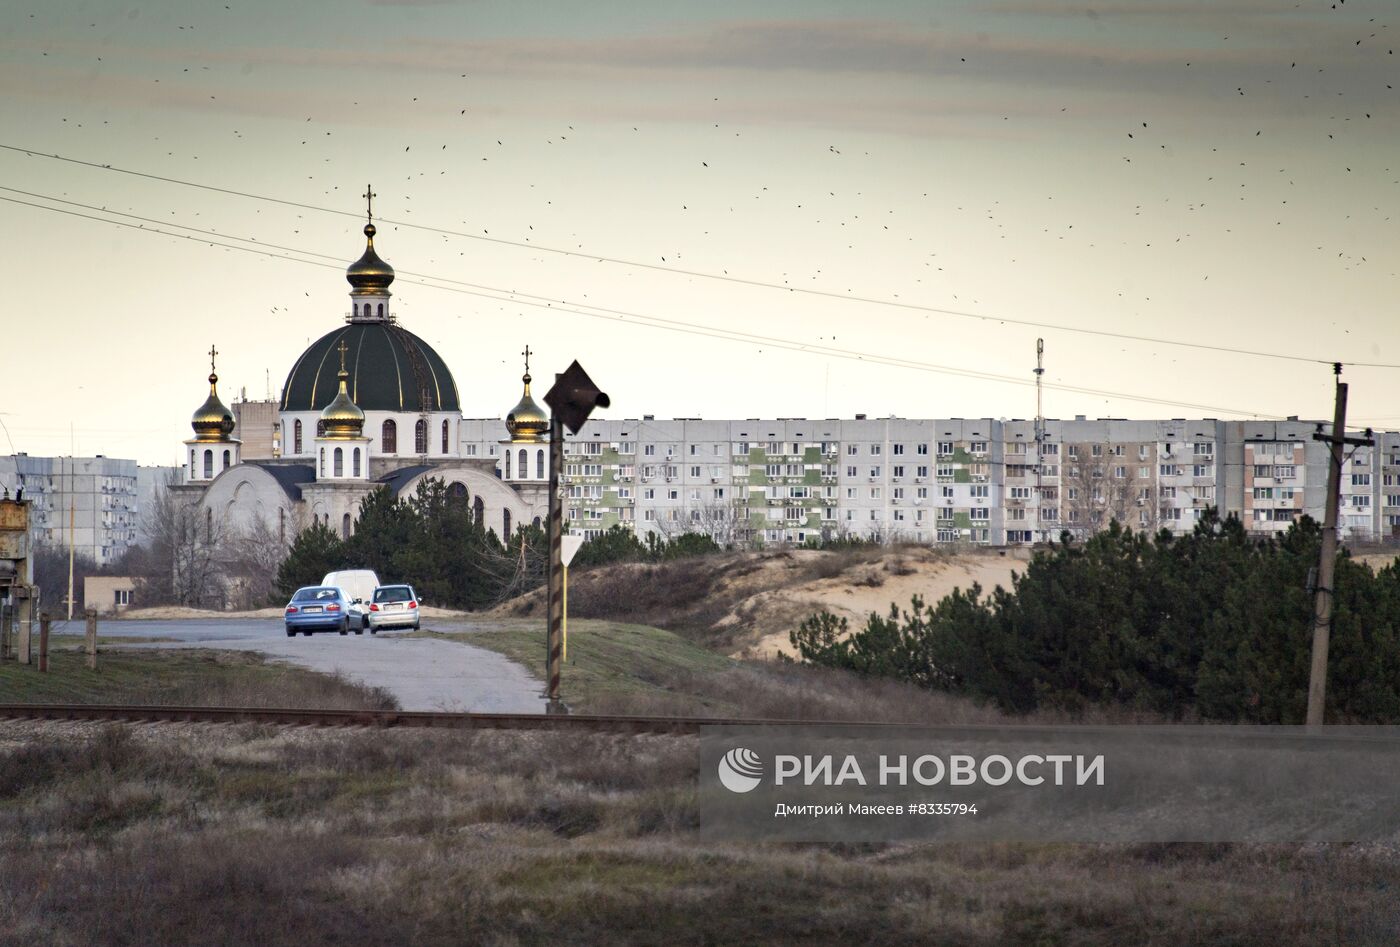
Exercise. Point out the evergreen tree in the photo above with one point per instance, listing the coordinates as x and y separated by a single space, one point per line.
316 551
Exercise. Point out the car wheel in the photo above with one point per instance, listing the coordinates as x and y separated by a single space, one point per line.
415 626
345 626
307 632
291 633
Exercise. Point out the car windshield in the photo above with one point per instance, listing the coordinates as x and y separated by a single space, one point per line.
315 595
393 593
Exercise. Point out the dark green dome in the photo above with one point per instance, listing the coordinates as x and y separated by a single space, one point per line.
391 369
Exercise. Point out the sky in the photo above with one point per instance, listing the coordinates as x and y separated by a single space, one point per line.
722 210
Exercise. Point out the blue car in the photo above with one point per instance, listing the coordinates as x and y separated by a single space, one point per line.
317 608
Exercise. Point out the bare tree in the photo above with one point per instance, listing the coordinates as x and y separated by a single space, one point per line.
1105 482
185 550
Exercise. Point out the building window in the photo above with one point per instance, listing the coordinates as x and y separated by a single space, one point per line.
420 437
458 490
445 430
524 463
389 437
355 469
507 460
296 437
345 525
338 463
539 465
321 468
208 464
122 597
478 511
505 521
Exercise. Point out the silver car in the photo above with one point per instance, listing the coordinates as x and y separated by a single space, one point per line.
392 606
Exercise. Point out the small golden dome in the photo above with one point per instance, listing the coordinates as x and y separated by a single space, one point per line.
527 422
213 421
369 274
342 418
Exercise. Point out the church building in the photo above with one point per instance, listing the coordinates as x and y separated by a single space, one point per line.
368 404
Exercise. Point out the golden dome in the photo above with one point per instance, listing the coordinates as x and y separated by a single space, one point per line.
213 421
342 418
369 274
527 422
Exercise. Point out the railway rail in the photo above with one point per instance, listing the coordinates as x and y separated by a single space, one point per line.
600 723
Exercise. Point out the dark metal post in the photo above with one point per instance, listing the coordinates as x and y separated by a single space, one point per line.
1322 613
44 642
554 641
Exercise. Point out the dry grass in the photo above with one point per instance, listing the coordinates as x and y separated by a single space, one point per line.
190 834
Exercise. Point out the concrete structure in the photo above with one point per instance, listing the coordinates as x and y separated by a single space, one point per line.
109 594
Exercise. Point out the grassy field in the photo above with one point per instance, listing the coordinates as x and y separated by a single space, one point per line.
190 834
181 677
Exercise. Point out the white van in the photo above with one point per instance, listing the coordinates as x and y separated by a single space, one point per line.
358 586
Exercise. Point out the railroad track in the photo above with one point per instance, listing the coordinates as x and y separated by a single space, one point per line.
599 723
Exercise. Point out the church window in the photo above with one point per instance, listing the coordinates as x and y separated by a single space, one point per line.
321 470
420 437
445 430
507 458
208 525
390 438
458 489
208 464
338 463
194 471
226 460
536 523
381 308
296 437
345 526
505 521
355 469
539 465
320 428
524 464
478 511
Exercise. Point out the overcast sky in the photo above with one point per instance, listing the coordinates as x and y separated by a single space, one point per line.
1220 173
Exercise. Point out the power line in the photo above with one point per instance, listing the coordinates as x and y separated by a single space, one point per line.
634 318
700 274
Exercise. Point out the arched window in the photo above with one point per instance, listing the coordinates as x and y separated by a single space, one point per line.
539 465
296 437
535 522
507 459
524 464
420 437
208 464
355 461
445 429
458 489
338 463
320 428
381 308
478 511
226 460
389 438
505 521
281 525
321 470
194 471
345 526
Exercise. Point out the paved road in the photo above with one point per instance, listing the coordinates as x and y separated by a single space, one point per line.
423 673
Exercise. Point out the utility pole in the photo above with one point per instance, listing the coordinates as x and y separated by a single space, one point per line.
1336 442
72 516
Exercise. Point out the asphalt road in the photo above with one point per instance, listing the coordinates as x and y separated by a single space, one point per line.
423 673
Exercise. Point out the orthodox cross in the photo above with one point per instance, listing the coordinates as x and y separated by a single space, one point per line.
343 349
369 197
527 359
212 352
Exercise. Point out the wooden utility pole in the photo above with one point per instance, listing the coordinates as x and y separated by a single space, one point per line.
90 639
44 642
1336 442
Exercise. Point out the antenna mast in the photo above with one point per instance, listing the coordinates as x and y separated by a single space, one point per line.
1039 431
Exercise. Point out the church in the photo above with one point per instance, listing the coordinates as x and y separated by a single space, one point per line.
367 405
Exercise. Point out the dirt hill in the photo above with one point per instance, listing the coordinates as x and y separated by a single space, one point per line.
746 603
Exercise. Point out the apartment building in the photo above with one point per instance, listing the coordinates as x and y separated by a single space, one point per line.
90 502
980 481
